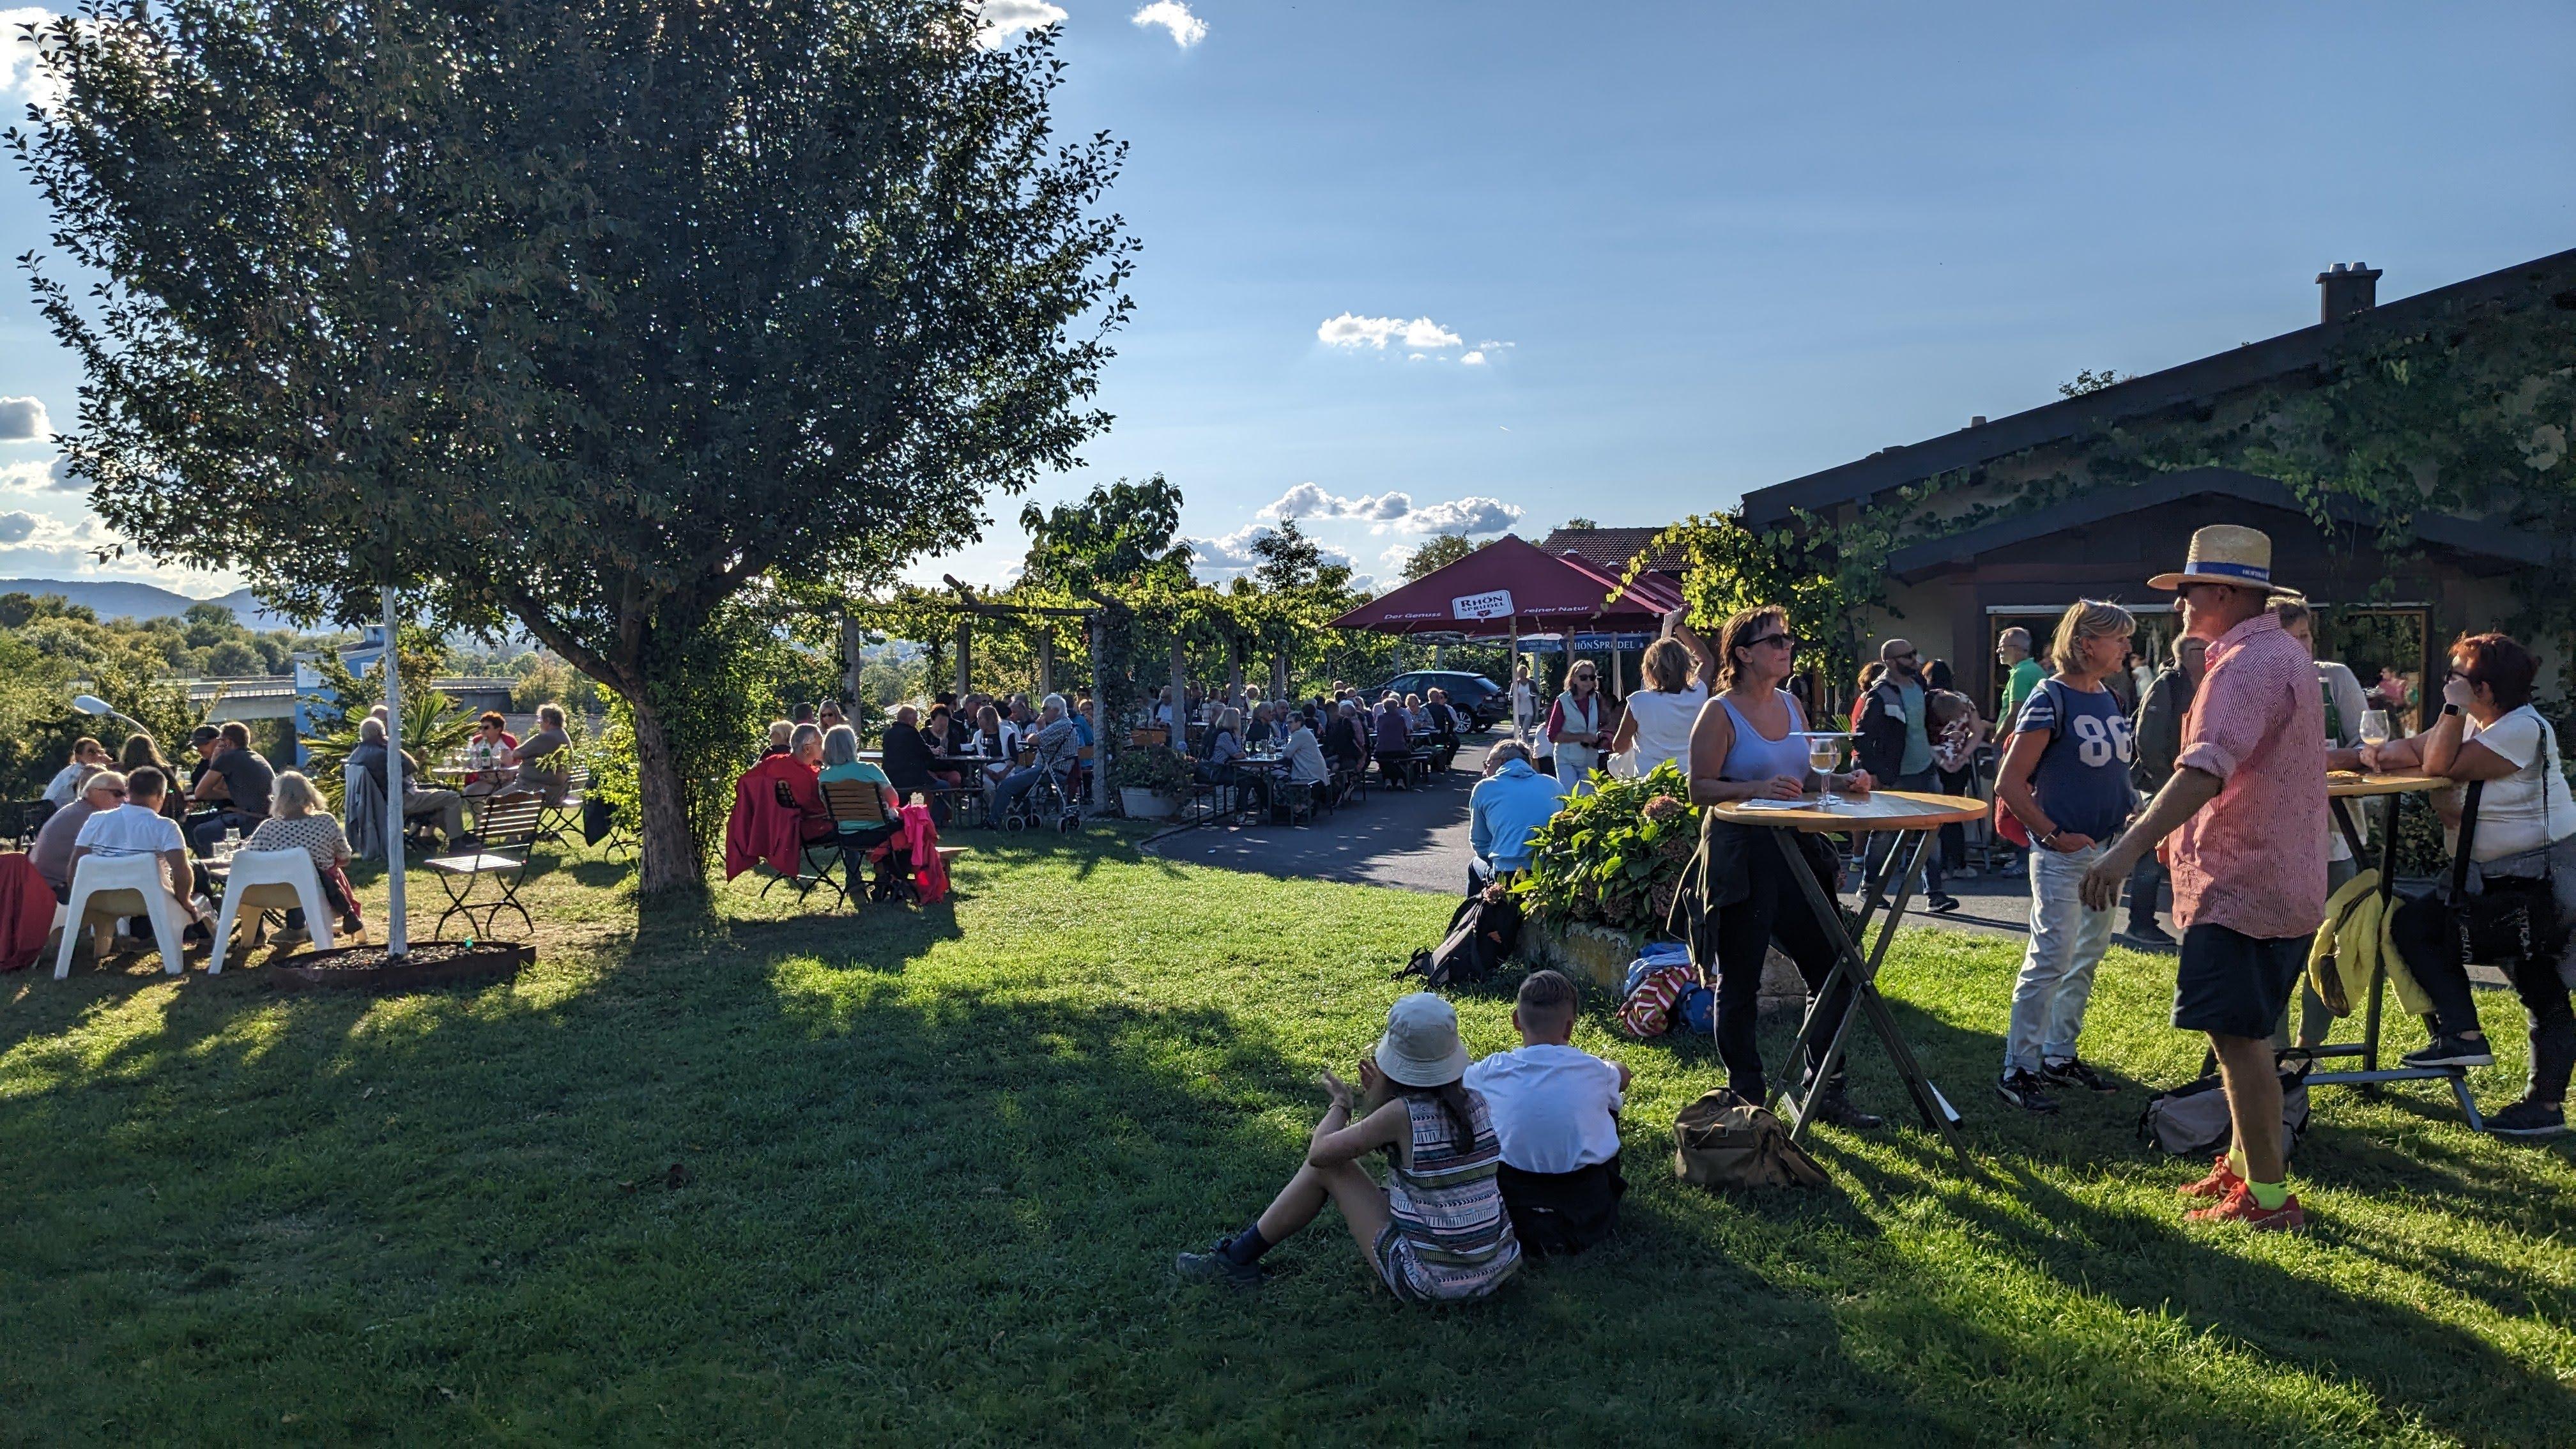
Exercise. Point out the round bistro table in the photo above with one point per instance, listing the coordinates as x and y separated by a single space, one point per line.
1906 814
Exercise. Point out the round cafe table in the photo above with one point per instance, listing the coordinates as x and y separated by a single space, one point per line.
1906 814
2354 785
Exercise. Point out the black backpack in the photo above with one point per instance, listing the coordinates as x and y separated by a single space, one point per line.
1482 935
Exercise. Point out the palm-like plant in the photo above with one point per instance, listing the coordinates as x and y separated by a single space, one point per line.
433 728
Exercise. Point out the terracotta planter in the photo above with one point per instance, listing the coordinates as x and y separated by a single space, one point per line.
1146 805
430 965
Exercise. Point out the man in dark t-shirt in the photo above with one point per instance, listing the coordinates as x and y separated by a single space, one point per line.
238 781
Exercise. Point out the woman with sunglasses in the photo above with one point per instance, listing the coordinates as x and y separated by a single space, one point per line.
1749 744
2489 730
1574 728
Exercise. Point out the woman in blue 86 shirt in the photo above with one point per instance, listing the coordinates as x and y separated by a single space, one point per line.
2066 778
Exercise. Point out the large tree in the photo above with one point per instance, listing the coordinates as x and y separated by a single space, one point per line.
583 313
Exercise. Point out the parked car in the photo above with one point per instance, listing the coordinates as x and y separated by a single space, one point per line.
1472 694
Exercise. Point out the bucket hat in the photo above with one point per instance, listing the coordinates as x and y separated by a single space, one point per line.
2224 553
1421 1046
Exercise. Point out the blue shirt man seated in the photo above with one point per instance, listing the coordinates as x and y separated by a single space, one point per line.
1508 807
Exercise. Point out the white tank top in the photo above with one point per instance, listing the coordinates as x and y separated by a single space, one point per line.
1664 725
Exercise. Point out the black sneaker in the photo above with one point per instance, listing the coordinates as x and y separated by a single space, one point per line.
2148 937
1217 1266
2451 1051
1835 1109
2022 1090
2075 1072
2527 1118
1942 904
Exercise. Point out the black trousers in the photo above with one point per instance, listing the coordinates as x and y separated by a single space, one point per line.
1561 1212
1774 910
2546 1010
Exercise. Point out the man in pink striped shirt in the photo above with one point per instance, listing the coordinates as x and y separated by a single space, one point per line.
2246 810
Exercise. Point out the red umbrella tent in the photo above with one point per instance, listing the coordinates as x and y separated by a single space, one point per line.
1509 587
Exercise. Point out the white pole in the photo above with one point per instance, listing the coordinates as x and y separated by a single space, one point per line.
397 940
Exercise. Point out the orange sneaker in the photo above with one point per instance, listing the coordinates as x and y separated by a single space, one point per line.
2240 1207
2221 1181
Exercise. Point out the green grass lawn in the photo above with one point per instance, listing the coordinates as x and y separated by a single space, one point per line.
919 1177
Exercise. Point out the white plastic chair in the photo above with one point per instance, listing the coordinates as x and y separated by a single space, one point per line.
265 879
106 888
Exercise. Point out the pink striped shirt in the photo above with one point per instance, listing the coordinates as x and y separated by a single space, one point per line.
2254 859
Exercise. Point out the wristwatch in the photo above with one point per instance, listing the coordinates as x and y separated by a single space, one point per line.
2449 708
2050 836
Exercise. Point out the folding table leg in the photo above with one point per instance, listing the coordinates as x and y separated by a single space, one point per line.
1862 973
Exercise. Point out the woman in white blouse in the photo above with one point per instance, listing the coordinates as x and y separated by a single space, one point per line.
1657 724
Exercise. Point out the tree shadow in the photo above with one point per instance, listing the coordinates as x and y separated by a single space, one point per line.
2151 1262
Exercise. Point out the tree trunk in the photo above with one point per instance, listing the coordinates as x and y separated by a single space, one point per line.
672 859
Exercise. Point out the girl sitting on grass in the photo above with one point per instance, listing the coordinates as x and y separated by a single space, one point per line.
1437 1230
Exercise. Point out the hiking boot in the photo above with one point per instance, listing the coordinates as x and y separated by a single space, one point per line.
2221 1181
2528 1118
1835 1109
291 936
2021 1089
1217 1266
2148 936
2075 1072
2239 1207
1942 904
2451 1051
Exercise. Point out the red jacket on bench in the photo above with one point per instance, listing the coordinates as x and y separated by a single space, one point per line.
761 829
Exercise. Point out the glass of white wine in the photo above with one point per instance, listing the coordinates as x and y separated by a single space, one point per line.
2374 727
1824 751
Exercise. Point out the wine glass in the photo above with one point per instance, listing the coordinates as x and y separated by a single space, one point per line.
2374 728
1823 753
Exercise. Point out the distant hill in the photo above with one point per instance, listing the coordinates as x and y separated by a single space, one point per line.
126 599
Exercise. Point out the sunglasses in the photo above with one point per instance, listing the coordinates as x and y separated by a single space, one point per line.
1785 641
1908 657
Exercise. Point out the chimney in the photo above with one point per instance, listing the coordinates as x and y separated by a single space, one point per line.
2346 292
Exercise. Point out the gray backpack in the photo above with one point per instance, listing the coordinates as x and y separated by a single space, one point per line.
2192 1121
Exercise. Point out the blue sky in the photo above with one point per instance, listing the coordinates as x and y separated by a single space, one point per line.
1694 248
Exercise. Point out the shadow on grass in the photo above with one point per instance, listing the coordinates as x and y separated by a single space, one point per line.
2151 1262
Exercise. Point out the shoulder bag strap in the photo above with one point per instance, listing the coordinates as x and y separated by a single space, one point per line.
2468 838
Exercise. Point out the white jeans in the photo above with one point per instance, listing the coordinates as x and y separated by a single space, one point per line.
2066 943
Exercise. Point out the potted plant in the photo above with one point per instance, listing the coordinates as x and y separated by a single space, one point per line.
1151 781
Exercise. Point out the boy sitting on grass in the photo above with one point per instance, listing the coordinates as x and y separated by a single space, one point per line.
1555 1109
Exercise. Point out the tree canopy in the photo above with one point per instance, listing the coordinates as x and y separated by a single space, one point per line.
585 314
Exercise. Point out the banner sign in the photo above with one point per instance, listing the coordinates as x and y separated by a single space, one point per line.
1493 604
1555 643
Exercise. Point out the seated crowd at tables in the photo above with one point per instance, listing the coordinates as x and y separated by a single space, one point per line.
136 803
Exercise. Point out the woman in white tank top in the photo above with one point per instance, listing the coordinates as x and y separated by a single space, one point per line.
1659 717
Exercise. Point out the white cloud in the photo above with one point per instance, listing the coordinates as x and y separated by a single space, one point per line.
1465 515
1353 330
22 419
1393 512
1308 501
1006 18
18 527
1398 556
1215 560
1473 359
24 75
1187 29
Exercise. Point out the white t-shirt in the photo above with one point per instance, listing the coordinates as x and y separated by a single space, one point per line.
129 830
1554 1108
1664 725
65 786
2521 812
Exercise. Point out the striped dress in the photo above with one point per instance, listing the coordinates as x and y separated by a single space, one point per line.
1448 1237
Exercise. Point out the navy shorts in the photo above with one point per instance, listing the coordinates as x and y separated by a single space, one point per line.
2232 984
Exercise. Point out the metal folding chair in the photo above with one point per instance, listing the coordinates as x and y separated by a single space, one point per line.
509 828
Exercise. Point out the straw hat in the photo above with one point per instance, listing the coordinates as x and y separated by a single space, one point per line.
1421 1046
2224 553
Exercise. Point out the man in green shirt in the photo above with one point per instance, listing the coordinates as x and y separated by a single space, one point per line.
2022 675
